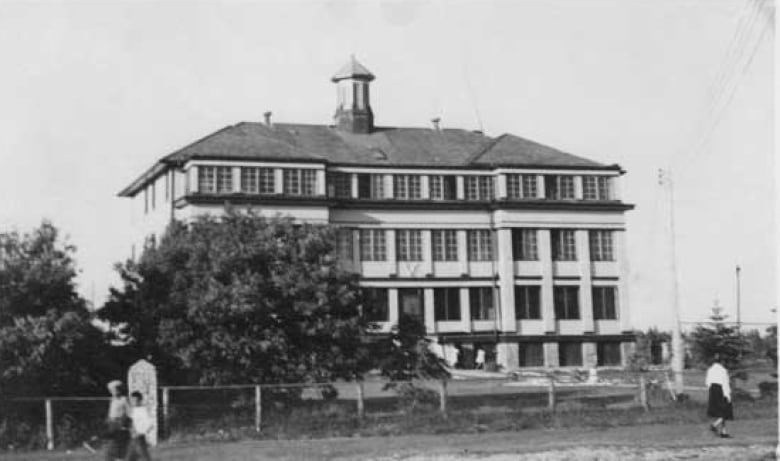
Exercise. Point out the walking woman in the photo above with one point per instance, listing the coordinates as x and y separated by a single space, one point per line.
118 422
719 406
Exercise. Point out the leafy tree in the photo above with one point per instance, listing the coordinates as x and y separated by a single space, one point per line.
718 337
406 353
48 344
242 299
646 341
771 344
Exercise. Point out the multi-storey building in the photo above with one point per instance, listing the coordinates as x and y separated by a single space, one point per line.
500 243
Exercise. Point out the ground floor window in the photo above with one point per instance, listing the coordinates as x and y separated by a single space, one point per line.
410 303
608 354
531 355
446 303
481 300
569 354
375 306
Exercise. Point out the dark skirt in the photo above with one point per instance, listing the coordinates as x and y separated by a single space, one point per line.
718 406
118 438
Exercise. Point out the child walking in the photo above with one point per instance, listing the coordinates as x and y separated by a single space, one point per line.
142 424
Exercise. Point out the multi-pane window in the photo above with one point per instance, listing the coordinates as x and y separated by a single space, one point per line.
524 245
570 354
480 244
479 187
257 180
608 354
300 181
521 186
406 186
340 185
527 305
481 302
375 305
564 247
344 246
567 302
604 303
371 186
596 187
408 245
372 245
445 245
446 302
442 187
601 246
531 355
559 187
410 303
215 179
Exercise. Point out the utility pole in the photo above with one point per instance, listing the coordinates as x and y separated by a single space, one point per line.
665 179
739 304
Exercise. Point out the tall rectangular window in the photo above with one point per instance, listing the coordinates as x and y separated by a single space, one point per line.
605 303
344 246
524 245
479 187
559 187
480 245
570 354
519 186
601 245
527 302
567 302
445 245
257 180
406 186
299 181
224 179
596 187
531 355
446 303
608 354
442 187
207 179
340 185
564 247
372 245
411 302
375 305
481 303
371 186
408 245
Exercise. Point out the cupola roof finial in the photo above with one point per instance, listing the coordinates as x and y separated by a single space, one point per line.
353 69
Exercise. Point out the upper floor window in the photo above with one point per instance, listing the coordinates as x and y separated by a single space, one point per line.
371 186
567 302
408 245
481 303
527 302
524 245
604 303
559 187
445 245
480 245
372 245
299 181
340 185
215 179
344 246
601 246
564 247
406 186
479 187
443 187
521 186
257 180
446 304
596 187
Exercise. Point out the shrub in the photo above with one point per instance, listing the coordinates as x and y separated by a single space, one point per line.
412 398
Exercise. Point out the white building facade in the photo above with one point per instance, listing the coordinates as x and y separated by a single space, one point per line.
500 243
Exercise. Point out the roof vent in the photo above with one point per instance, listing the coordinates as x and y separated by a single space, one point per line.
267 116
435 122
379 154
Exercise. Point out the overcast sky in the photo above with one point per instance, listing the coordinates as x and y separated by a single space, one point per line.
93 93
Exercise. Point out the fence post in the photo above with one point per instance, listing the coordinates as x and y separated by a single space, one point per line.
551 394
643 392
360 405
443 398
49 426
165 407
258 409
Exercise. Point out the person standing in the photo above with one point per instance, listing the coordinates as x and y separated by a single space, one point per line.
117 422
719 403
480 361
142 424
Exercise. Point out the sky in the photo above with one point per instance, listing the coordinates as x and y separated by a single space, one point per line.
93 93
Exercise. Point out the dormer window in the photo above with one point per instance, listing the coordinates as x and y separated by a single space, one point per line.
559 187
215 179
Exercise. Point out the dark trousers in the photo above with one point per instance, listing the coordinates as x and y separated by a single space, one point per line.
138 449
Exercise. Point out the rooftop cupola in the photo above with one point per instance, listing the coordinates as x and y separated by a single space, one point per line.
353 112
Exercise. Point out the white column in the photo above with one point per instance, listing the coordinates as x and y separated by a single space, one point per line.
540 193
427 252
460 188
236 172
389 192
353 182
392 260
463 252
430 317
545 259
320 182
392 301
193 179
578 193
278 178
465 309
586 282
624 306
501 192
506 280
425 189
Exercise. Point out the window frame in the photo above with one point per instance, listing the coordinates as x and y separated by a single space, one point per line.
564 244
605 302
528 302
480 244
602 245
373 244
446 304
444 245
485 298
408 245
566 302
525 244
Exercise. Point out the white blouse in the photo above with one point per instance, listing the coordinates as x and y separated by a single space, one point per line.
717 374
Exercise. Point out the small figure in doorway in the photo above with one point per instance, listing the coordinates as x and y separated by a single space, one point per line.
479 362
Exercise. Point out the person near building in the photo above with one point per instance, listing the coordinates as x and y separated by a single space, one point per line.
719 403
117 422
480 360
141 426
